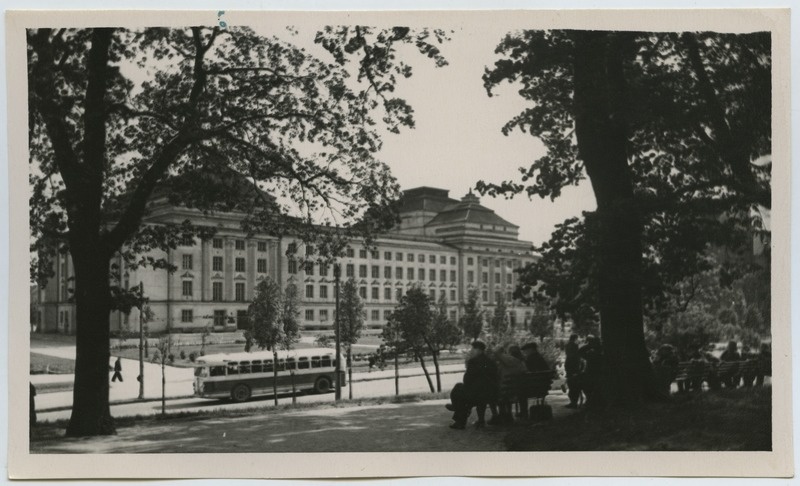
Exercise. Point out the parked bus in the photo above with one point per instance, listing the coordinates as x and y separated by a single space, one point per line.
240 376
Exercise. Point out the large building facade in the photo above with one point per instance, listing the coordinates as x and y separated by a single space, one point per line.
446 246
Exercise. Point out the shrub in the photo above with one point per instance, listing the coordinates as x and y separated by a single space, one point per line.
192 356
171 357
183 354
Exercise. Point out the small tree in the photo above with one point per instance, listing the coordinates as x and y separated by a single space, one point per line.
444 334
393 338
351 323
471 323
541 325
266 326
413 318
290 328
499 323
205 334
164 345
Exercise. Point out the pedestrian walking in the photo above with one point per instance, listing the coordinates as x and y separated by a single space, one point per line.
117 370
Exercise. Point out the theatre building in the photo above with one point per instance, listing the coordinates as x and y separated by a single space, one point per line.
446 246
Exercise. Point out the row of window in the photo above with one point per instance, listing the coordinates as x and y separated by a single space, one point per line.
374 315
219 243
375 293
217 264
216 290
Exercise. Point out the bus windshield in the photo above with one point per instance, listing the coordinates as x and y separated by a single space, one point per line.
201 371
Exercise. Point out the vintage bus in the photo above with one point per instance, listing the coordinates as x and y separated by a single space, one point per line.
240 376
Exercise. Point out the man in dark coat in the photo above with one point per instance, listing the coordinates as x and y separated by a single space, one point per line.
117 370
731 378
479 388
572 366
533 360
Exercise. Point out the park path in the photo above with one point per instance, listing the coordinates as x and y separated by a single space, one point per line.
409 427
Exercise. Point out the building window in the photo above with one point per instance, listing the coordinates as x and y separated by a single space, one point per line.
216 291
398 256
485 262
443 275
432 294
387 293
323 315
323 291
292 266
410 257
323 269
350 253
350 270
240 265
219 318
309 315
470 276
216 242
309 249
376 271
216 264
508 296
421 274
262 265
497 278
291 248
386 315
240 244
362 253
262 246
485 296
387 255
421 258
187 288
187 240
375 293
398 272
187 315
399 294
470 261
376 315
375 255
362 292
508 278
308 267
432 275
309 291
411 274
452 260
442 295
239 292
187 262
452 295
452 275
485 277
362 271
387 272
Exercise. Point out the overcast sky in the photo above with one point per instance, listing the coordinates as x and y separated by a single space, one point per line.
457 140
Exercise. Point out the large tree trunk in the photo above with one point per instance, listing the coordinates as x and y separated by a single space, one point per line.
90 410
601 131
436 368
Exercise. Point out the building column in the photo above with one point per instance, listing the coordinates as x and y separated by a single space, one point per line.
205 265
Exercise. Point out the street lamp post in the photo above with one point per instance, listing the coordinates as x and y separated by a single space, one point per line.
337 271
141 342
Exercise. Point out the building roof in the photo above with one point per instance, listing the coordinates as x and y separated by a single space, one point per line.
469 211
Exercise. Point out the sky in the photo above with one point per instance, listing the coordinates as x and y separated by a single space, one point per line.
457 139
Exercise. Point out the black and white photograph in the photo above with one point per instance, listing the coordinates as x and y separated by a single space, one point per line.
324 234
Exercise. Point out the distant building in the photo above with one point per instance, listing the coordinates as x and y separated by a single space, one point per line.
443 245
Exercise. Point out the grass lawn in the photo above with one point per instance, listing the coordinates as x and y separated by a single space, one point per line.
47 340
724 420
40 363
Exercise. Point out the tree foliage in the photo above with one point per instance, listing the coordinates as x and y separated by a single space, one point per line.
498 325
351 314
266 317
471 321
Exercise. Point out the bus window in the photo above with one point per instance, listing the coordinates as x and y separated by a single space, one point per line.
303 364
201 371
244 367
233 368
281 365
256 366
315 363
290 364
268 366
326 362
217 371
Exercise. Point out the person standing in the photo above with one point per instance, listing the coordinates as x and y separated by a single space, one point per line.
731 378
33 405
508 367
592 354
479 388
117 370
572 366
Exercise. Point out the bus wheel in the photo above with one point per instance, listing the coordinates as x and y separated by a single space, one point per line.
322 385
240 393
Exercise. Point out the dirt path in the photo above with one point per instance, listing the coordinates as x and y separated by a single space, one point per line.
410 427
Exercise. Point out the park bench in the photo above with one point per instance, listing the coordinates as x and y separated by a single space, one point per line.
531 385
692 374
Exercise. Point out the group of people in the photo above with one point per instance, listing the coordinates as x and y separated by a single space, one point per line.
481 386
666 362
